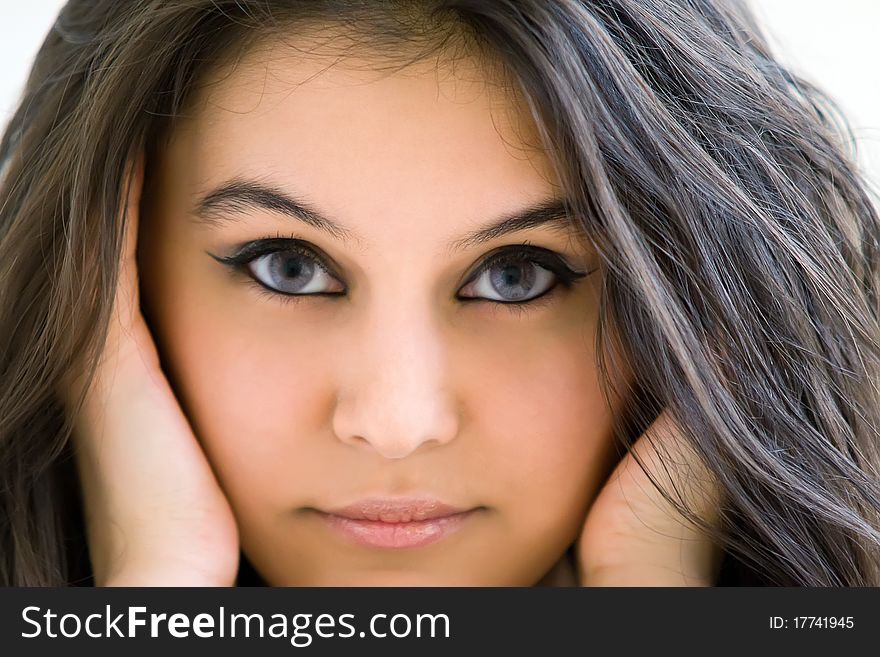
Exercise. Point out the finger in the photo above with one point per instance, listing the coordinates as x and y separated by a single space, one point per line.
635 535
99 408
130 350
126 298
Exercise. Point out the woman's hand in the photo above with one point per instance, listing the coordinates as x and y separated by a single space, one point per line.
633 537
155 514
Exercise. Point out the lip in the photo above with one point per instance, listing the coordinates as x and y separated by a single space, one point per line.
396 522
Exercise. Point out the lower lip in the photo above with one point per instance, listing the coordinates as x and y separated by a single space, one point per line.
376 533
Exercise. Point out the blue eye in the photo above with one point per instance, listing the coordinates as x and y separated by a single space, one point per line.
519 275
514 282
291 272
286 267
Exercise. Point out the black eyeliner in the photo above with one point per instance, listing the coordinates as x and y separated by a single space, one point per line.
526 253
265 246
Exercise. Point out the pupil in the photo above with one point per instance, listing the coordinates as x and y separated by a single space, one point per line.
512 275
292 268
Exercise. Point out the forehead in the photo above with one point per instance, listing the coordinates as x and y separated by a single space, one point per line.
438 143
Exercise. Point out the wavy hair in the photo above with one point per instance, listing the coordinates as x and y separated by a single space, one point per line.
739 244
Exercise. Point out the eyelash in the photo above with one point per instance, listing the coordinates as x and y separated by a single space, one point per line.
509 255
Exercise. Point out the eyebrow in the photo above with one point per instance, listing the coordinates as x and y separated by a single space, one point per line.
226 203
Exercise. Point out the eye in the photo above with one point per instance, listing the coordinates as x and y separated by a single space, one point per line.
513 282
291 272
285 266
520 275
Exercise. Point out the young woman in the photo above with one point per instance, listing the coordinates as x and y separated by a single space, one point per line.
359 293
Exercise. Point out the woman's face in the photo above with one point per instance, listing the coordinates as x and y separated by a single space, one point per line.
357 359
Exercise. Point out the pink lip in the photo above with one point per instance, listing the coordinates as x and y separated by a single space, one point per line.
397 523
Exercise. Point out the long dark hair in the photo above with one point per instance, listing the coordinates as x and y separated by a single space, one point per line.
739 244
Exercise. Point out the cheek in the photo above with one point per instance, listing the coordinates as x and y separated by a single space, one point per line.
253 393
545 425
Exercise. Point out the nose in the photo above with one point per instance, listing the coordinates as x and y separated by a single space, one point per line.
395 396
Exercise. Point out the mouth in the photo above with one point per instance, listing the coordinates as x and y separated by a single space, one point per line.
394 523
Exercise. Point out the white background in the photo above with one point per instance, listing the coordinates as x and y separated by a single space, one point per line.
834 44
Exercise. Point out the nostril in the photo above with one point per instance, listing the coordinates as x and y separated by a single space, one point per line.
389 448
393 421
360 441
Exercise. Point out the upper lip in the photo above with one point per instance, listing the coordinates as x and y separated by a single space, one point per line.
397 509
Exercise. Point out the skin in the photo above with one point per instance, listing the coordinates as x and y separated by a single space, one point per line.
395 388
